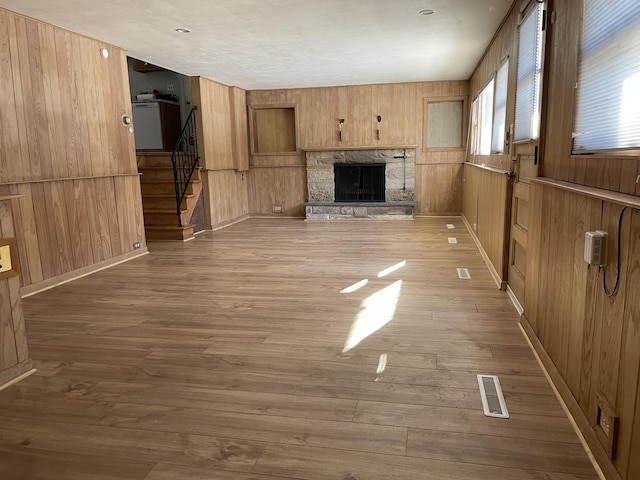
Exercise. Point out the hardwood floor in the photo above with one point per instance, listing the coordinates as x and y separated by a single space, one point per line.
237 357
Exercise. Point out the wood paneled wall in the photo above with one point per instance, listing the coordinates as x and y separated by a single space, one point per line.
588 340
485 195
224 149
14 354
226 198
214 123
318 110
504 46
284 186
239 128
68 225
65 149
593 340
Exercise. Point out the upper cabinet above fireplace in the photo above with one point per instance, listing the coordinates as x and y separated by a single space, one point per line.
427 116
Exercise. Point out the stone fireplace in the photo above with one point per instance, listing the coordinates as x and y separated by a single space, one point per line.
367 183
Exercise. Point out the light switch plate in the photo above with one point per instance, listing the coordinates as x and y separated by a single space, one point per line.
5 259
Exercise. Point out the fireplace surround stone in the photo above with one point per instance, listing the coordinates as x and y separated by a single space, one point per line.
399 172
399 192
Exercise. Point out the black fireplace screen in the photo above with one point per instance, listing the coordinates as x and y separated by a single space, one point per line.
359 183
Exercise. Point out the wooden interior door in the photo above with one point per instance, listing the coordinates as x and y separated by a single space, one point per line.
526 167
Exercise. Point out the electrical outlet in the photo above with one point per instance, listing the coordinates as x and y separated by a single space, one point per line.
169 87
136 245
277 209
607 425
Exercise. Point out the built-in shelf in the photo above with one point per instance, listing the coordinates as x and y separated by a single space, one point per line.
273 130
599 193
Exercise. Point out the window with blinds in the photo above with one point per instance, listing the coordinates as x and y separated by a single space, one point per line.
530 38
608 107
500 108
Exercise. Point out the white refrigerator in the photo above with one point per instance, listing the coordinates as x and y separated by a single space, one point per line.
147 126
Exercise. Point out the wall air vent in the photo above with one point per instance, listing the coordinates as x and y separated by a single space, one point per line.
493 402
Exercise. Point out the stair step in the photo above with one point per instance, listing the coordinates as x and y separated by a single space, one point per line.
163 188
168 217
164 232
163 211
165 201
162 159
163 173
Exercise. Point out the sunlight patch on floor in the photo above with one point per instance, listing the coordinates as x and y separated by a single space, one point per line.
355 286
378 310
392 269
382 365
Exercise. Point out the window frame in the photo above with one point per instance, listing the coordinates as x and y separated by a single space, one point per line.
476 136
505 149
463 122
525 10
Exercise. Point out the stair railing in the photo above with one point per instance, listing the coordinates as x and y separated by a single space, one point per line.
185 160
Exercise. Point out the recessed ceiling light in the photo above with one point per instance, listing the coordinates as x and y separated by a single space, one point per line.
426 12
183 30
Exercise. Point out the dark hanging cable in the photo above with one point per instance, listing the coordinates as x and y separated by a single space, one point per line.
604 276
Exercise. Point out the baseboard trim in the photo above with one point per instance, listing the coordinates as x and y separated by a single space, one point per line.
437 215
50 283
515 301
599 458
272 216
220 226
16 374
500 283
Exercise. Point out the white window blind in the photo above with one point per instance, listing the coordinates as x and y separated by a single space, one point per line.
500 108
485 119
608 109
527 124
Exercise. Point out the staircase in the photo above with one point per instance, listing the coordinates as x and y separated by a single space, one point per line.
159 198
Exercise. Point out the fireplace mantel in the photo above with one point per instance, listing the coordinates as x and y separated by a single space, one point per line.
368 147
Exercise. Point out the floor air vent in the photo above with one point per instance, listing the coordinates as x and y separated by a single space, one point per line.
492 399
464 273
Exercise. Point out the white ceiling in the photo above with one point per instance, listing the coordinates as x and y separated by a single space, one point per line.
267 44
